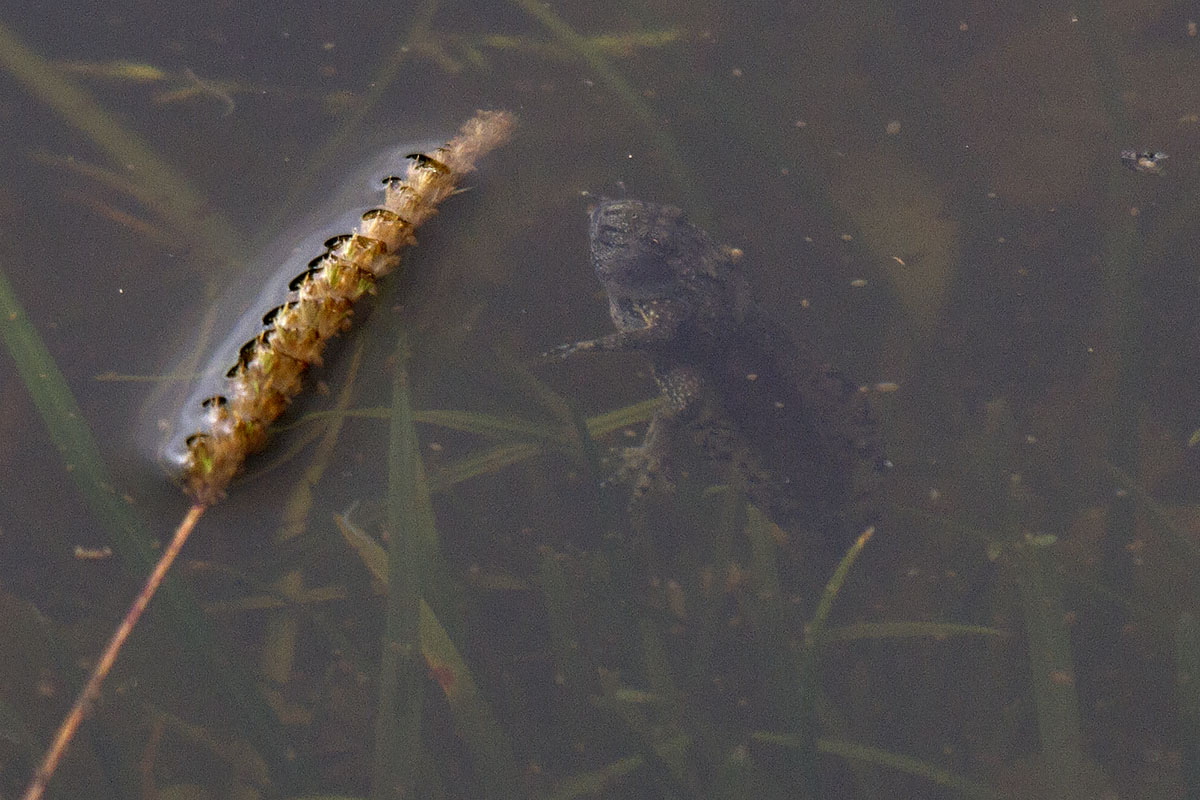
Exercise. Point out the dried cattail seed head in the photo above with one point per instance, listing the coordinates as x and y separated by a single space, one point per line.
269 368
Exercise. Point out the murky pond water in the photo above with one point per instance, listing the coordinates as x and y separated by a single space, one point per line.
934 199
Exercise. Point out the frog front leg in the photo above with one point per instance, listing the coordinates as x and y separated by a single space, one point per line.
643 325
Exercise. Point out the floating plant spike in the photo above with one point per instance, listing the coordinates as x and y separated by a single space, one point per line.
269 369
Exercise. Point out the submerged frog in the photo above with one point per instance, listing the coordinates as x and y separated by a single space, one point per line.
796 436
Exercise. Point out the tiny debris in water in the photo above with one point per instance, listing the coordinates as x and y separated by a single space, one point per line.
92 553
1149 161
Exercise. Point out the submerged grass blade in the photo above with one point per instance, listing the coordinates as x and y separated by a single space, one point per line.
491 751
610 421
1187 671
465 421
415 632
56 405
1157 514
808 668
485 739
373 557
596 782
473 718
816 628
874 755
491 460
418 25
614 45
663 755
608 75
401 674
279 639
492 426
1052 669
63 419
909 630
570 661
158 186
500 456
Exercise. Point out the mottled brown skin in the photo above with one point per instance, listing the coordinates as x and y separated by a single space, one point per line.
796 435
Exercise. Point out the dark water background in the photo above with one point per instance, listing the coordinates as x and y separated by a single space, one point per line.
931 194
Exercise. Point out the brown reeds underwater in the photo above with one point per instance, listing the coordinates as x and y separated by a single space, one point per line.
270 367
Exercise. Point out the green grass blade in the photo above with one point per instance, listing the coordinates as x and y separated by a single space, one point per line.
415 632
71 437
492 426
562 613
498 457
606 423
401 674
487 462
277 660
1053 672
489 746
596 782
158 186
376 91
464 421
472 715
373 557
608 75
809 672
56 405
664 756
874 755
735 778
909 630
1157 514
816 628
1187 669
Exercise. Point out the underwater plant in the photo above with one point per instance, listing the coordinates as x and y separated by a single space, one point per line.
270 367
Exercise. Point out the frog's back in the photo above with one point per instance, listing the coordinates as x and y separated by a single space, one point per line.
811 445
796 434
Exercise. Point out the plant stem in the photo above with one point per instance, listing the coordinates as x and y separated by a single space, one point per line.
91 690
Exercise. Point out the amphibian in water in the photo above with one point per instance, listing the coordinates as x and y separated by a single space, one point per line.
796 435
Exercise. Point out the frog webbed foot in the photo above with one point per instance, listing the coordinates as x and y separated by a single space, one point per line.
650 467
648 470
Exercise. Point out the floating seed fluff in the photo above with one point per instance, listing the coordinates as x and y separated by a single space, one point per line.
270 367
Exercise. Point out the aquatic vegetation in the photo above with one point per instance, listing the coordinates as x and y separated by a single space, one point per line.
433 593
269 370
